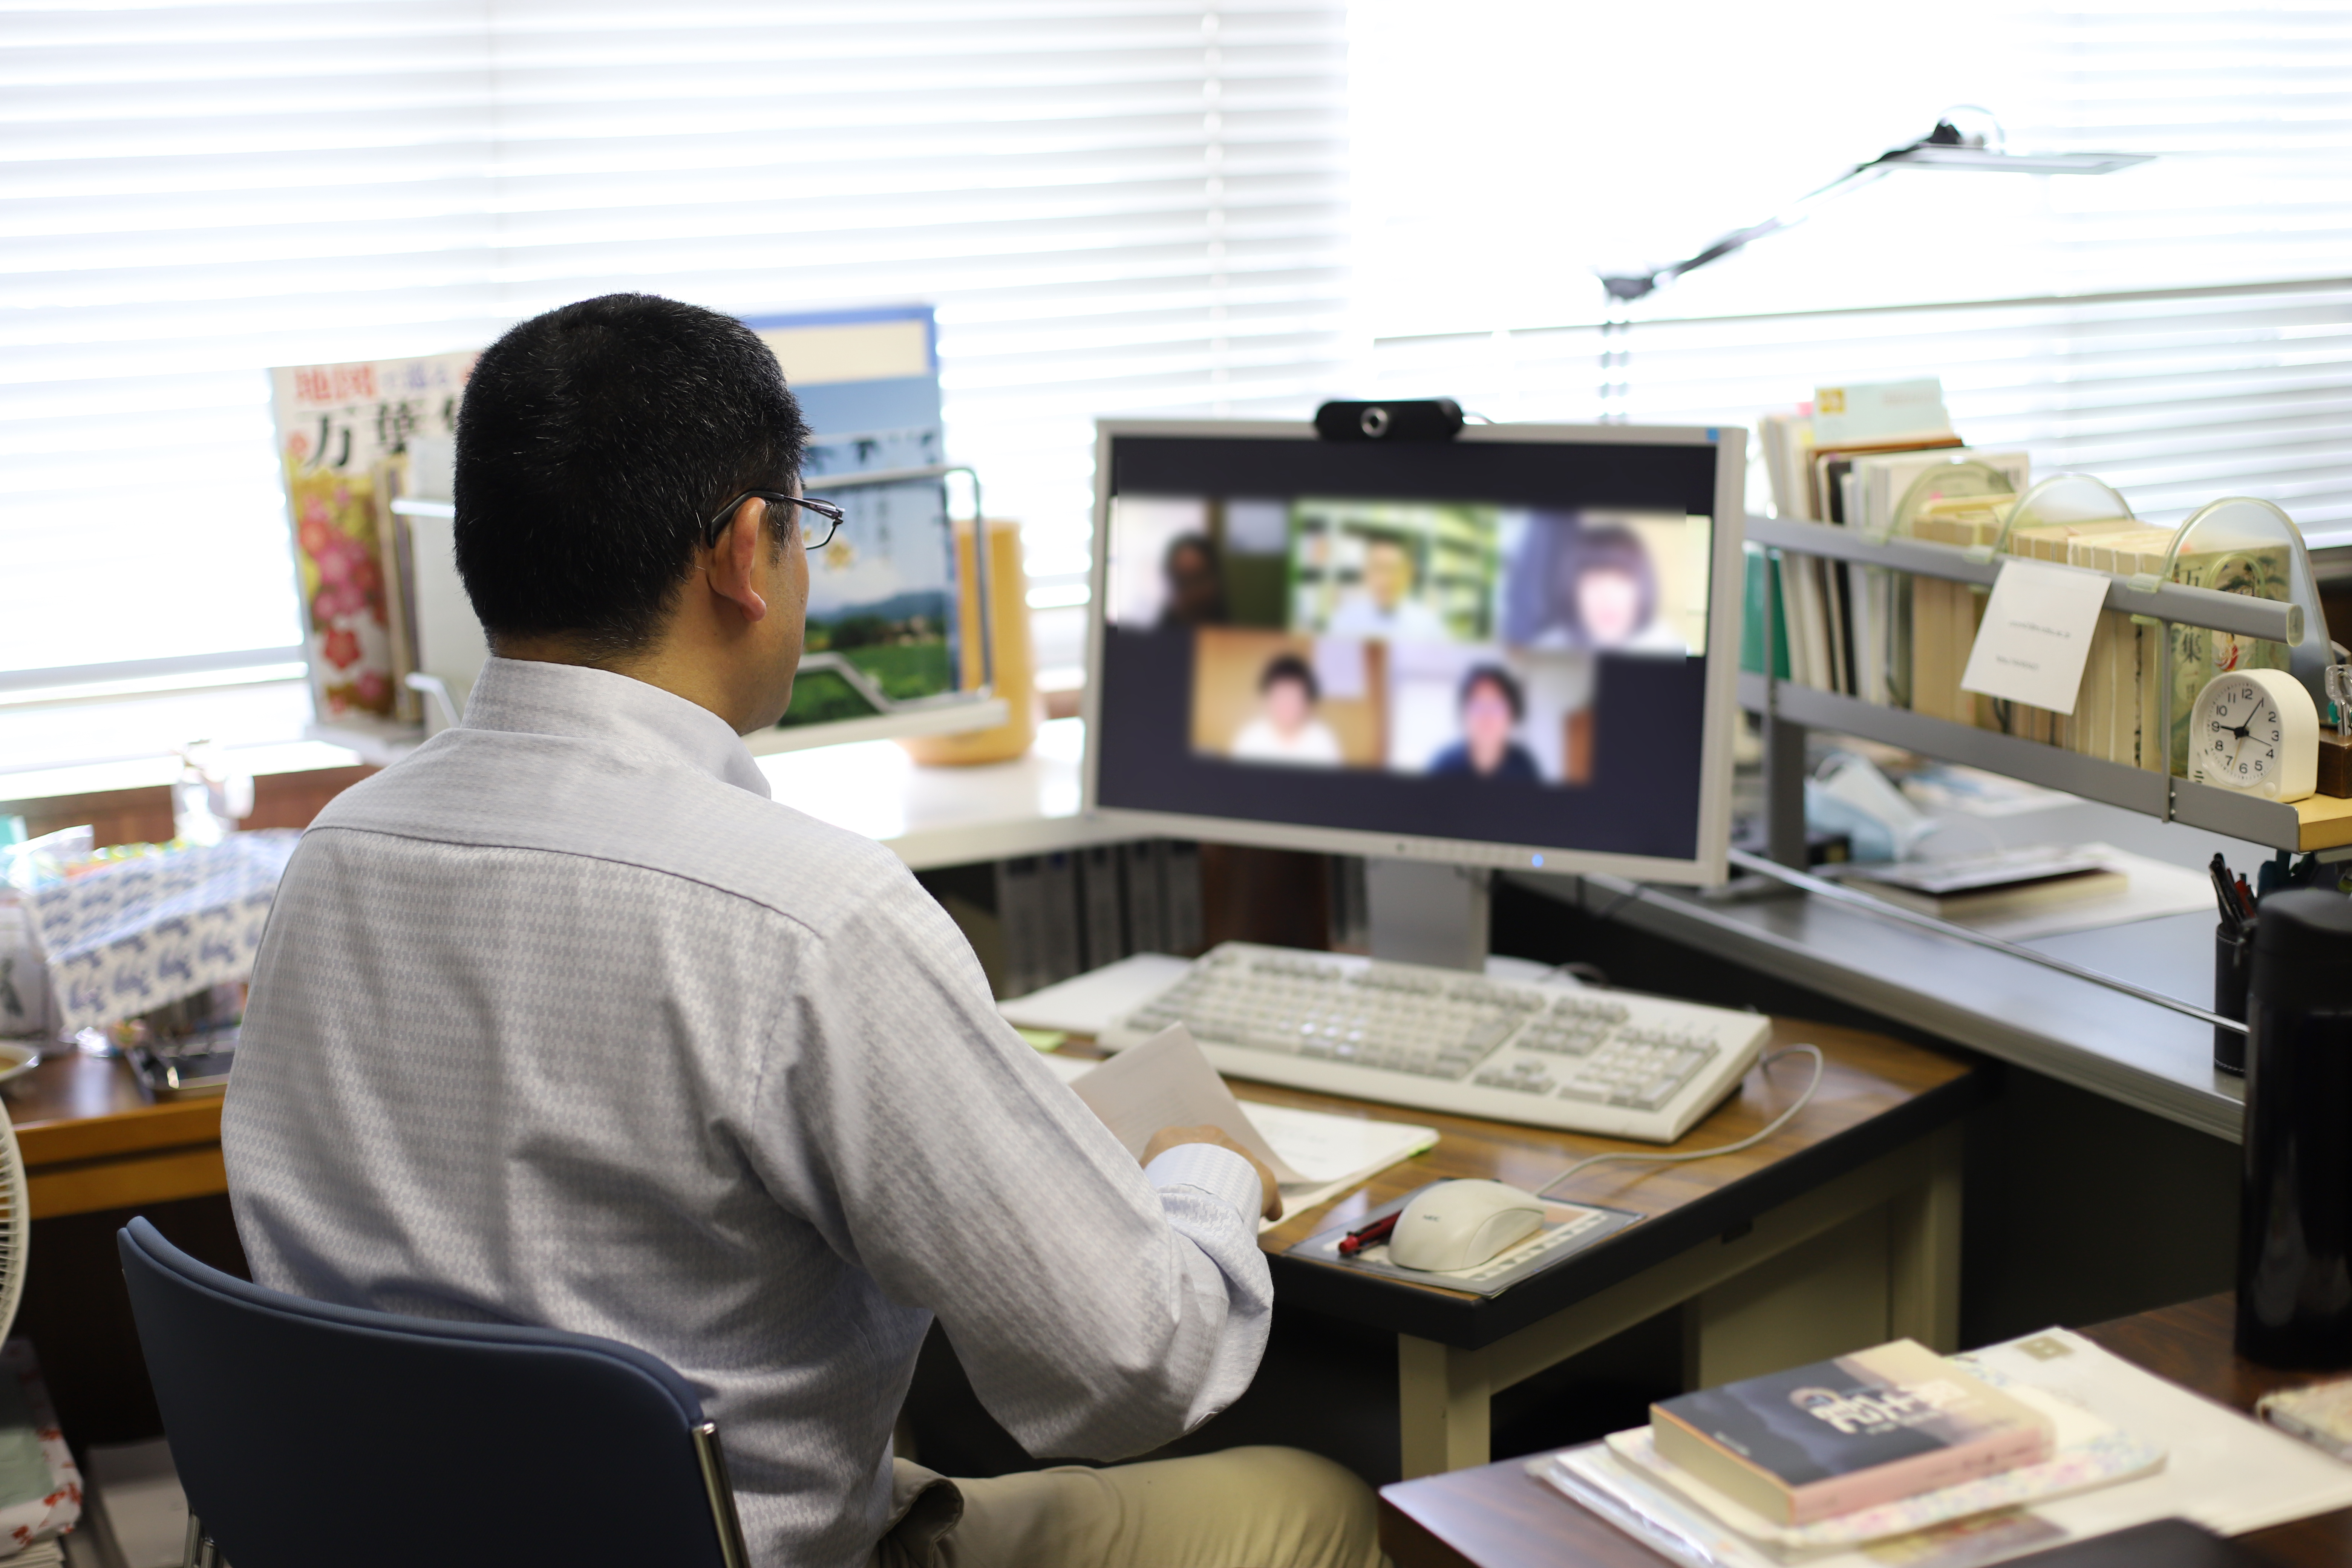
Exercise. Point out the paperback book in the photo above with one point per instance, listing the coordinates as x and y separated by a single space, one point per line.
1831 1436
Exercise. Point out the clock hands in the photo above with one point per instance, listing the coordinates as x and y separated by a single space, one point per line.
2239 731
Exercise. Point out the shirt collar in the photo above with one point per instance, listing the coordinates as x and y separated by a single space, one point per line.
531 697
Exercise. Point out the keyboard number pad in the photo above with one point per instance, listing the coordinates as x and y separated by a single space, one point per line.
1638 1069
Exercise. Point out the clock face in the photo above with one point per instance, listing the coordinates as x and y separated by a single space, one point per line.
2241 733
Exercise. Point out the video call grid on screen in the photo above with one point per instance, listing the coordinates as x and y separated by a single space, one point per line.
1501 641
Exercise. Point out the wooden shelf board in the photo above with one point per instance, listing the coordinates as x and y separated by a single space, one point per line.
2326 822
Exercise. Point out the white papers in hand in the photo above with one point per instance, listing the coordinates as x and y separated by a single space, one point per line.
1167 1083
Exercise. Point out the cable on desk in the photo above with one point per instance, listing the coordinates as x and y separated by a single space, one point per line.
1820 1064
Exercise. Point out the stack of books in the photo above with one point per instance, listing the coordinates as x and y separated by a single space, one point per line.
1875 459
1898 1455
1849 1454
1887 464
1836 1436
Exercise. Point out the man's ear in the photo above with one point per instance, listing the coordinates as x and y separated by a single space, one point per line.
733 565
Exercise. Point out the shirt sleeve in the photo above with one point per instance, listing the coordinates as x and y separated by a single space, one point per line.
1099 1311
1212 1198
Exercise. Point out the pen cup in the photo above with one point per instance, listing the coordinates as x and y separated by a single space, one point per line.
2233 949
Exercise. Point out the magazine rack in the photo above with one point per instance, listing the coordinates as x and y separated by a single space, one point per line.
966 708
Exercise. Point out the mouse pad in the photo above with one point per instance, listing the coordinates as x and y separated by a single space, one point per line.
1567 1230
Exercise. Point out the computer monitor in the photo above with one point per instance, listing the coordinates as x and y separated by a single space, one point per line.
1512 650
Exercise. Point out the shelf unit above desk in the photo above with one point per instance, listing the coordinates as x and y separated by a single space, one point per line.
2318 823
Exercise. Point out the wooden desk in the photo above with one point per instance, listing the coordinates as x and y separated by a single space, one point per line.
1843 1228
91 1140
1498 1516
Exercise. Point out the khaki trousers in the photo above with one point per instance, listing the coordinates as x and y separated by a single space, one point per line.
1246 1508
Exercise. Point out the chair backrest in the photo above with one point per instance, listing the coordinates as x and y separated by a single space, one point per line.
309 1434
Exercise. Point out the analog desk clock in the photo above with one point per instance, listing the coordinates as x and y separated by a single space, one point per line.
2256 732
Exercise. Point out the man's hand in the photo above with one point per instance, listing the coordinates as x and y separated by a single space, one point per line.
1167 1138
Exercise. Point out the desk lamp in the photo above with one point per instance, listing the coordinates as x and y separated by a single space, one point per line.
1965 138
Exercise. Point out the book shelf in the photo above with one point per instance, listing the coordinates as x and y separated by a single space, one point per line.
1790 710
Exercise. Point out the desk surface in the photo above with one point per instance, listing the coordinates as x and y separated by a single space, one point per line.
1876 1096
2073 1030
91 1140
948 816
2081 1033
1498 1516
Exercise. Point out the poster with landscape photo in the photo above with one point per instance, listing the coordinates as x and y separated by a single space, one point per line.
882 594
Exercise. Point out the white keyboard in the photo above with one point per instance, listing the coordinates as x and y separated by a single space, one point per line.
1442 1039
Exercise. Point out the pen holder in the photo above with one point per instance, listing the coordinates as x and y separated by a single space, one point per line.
2233 956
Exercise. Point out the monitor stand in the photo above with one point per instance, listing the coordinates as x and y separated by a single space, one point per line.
1427 911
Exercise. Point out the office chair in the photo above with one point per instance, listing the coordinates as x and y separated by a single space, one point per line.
308 1433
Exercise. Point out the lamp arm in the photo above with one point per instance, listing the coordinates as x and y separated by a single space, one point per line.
1633 286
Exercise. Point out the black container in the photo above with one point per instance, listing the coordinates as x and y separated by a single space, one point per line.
2233 956
2295 1231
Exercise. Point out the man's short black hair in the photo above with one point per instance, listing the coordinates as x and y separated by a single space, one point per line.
1285 666
593 443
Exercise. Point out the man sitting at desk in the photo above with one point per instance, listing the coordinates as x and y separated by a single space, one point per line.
562 1021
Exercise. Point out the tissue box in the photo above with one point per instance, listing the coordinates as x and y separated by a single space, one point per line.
127 939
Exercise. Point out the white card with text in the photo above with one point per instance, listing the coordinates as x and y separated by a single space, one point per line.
2036 634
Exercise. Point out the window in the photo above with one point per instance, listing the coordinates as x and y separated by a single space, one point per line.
2183 327
1116 208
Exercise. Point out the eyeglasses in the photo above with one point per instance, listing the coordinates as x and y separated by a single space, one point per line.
815 534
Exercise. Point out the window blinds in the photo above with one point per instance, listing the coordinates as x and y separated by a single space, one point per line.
1115 207
2176 397
2183 329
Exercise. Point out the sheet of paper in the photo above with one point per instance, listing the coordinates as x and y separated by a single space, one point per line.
1325 1155
2036 634
1323 1148
2154 889
1093 1001
1167 1083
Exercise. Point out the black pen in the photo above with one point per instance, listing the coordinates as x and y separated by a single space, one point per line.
2232 915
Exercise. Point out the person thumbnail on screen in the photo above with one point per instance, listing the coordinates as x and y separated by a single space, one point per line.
1285 729
1194 576
1272 698
1483 712
1179 561
1606 582
1395 571
1491 707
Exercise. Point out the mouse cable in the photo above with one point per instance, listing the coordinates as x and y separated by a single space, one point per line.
1820 1065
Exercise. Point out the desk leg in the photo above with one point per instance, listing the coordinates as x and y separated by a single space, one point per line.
1443 1399
1924 1250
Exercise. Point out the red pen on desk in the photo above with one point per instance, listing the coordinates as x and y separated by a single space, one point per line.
1372 1235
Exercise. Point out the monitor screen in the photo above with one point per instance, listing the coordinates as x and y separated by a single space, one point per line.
1502 650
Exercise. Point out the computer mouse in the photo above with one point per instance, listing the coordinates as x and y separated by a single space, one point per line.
1460 1225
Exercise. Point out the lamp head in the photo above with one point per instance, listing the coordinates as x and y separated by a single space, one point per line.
1965 138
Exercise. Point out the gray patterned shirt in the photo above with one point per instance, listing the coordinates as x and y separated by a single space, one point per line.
562 1021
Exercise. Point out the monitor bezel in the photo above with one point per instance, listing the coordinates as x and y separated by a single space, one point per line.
1707 866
